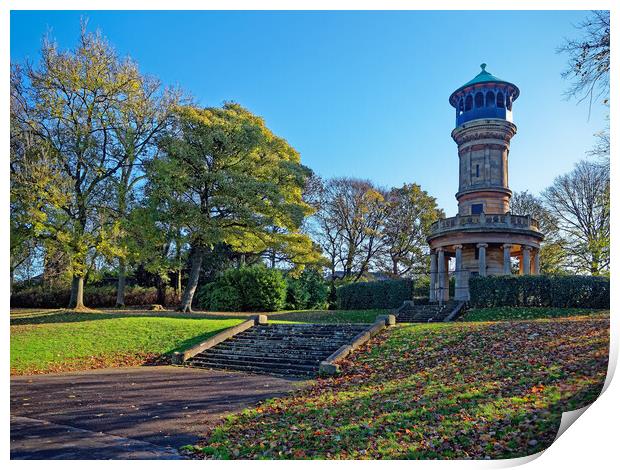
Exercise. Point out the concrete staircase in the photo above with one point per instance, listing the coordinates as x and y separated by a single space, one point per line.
410 313
279 349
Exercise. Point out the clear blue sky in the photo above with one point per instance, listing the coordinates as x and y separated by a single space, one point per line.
361 94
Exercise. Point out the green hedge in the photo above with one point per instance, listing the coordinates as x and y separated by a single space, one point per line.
539 291
308 291
377 294
247 289
96 297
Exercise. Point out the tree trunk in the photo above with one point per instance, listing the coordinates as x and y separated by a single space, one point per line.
120 289
72 299
192 282
178 286
77 293
161 291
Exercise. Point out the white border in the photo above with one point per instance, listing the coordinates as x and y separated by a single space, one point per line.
592 443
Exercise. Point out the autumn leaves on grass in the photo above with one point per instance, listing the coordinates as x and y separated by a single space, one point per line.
447 391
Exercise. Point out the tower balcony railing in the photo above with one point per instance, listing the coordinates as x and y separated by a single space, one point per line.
508 221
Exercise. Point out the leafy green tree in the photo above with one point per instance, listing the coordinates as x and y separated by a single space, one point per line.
149 244
36 184
306 291
67 102
228 179
410 213
136 123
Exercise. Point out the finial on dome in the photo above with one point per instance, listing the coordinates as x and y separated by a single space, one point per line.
483 66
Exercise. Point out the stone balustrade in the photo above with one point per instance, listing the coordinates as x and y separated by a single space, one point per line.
485 221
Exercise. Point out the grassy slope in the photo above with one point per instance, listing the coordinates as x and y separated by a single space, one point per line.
70 341
457 390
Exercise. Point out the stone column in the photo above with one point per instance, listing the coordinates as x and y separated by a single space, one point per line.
441 261
446 280
526 260
433 289
482 259
460 289
507 249
537 262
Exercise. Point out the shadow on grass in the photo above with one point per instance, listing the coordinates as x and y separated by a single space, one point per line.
43 316
189 342
67 316
165 358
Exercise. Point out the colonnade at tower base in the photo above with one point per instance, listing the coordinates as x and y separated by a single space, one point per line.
477 259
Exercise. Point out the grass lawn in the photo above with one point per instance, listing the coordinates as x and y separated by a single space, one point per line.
60 341
326 316
524 313
44 340
433 391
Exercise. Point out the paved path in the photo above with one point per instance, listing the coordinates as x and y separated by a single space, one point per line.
128 413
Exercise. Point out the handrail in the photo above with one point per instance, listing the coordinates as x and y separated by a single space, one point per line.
179 357
330 367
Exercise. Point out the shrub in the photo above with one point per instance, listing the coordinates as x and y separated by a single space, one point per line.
421 286
248 289
308 291
225 298
539 291
580 291
378 294
96 297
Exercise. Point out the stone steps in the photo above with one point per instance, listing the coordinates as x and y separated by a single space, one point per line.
425 313
290 371
279 349
253 357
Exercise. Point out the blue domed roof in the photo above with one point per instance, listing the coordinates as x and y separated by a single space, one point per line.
484 77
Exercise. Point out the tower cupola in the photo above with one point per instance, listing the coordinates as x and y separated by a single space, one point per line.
483 97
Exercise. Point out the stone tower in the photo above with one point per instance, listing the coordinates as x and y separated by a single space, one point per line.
483 237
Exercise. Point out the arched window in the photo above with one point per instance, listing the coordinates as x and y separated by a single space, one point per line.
461 107
479 100
509 102
500 99
469 103
490 99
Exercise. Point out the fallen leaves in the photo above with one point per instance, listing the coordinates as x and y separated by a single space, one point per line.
460 390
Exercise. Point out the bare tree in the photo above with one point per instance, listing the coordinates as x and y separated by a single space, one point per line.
553 257
580 202
588 70
349 225
588 59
